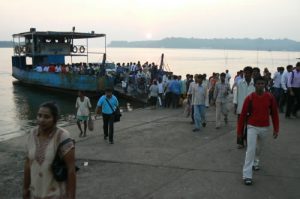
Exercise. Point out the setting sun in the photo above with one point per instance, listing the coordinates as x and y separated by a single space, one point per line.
149 35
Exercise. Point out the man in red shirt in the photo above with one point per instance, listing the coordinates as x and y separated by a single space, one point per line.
256 111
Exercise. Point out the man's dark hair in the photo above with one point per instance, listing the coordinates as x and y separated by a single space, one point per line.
259 78
256 69
289 66
223 75
248 69
108 89
298 64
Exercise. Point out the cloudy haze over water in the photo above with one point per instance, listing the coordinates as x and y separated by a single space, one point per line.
133 20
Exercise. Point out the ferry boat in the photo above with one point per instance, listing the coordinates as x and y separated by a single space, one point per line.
35 52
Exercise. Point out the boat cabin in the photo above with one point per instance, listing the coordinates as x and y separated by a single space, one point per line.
49 47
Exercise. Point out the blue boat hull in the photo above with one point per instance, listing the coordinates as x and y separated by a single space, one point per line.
64 81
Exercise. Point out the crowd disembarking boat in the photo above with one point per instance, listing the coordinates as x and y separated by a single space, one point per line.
40 59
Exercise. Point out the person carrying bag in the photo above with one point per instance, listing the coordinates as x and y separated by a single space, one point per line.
116 113
109 114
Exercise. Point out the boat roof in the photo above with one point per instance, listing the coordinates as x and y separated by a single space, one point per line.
74 35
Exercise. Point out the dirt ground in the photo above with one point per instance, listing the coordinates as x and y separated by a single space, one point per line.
11 169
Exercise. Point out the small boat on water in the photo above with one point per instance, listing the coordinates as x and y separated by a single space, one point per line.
39 59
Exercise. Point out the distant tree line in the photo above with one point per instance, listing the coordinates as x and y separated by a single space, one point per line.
6 44
193 43
233 44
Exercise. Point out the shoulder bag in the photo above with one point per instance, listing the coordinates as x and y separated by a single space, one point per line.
116 113
59 167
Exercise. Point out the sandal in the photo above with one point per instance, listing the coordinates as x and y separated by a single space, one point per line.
248 181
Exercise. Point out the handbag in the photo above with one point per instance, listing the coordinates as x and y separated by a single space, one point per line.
116 113
90 123
59 167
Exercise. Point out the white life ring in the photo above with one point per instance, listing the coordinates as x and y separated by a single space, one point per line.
81 49
74 49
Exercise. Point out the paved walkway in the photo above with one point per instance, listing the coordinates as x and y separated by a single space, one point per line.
156 155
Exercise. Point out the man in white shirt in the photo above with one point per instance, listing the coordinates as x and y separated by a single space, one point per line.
46 69
293 84
221 92
199 102
133 68
277 90
284 80
160 92
227 77
58 68
244 88
38 69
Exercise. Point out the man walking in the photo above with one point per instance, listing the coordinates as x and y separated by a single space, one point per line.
293 103
256 111
244 88
277 89
106 105
284 80
227 77
199 96
221 92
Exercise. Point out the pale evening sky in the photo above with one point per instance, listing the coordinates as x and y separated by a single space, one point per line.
155 19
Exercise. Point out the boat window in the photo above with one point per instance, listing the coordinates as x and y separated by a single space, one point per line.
28 41
28 61
67 40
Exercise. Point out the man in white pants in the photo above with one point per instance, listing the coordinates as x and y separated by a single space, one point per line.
256 111
221 92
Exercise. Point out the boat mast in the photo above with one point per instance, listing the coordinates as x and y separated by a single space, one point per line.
73 30
105 44
161 61
32 46
87 51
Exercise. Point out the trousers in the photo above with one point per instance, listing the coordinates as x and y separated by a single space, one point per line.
256 137
221 108
108 126
199 115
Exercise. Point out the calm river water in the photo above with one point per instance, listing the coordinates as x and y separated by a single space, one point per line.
19 104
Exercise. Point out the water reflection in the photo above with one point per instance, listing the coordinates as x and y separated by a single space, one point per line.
28 98
24 101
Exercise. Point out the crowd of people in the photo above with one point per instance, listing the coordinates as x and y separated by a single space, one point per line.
77 68
256 96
